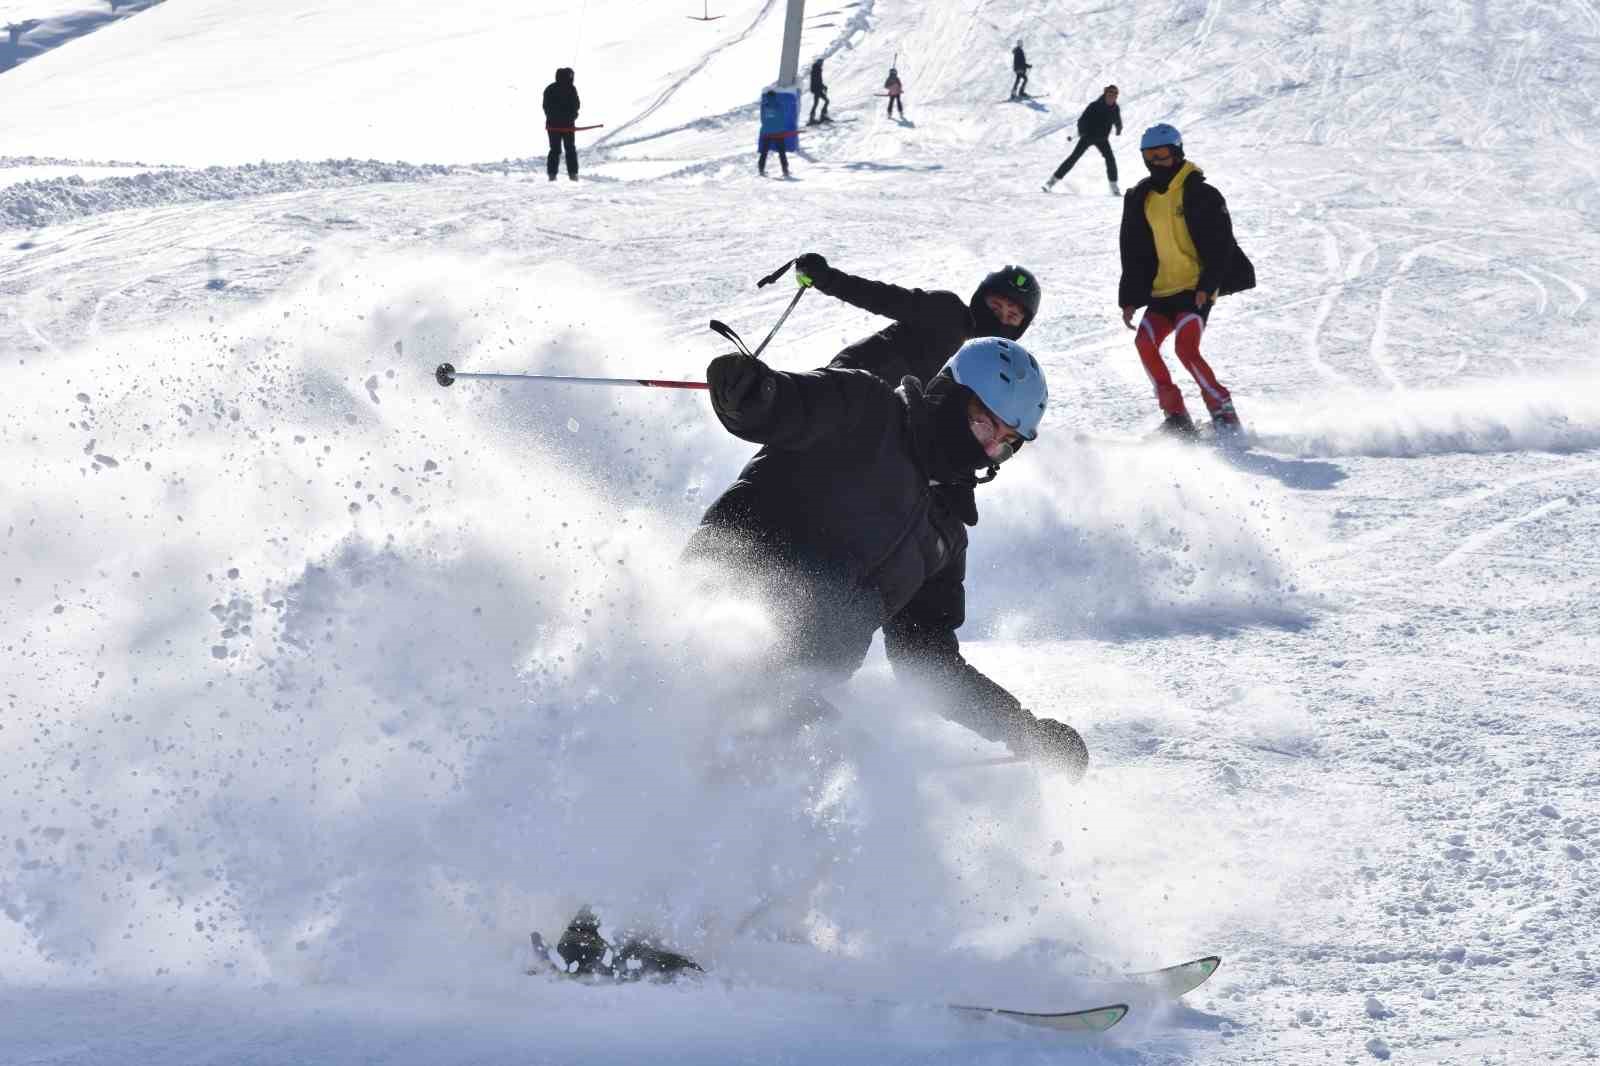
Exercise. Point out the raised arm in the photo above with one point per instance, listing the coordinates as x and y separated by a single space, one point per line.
891 301
797 411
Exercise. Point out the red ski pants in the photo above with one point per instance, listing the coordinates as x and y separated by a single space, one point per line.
1186 327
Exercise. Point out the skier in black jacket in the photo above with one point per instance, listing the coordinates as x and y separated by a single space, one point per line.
1094 128
927 330
560 115
1178 257
927 327
819 94
833 522
1019 67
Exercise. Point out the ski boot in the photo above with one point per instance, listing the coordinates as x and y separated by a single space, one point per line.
1226 420
1114 190
1050 184
1180 425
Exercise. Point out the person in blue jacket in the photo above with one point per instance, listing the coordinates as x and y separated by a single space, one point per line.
775 129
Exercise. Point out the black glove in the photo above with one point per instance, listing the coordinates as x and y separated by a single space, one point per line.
810 267
743 390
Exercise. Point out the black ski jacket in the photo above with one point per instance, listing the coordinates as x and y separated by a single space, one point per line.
816 78
1019 61
1098 119
1224 268
927 329
561 100
834 519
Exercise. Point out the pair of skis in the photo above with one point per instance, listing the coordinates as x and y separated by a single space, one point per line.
1169 982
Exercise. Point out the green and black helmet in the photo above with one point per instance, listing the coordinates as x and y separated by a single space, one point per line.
1016 284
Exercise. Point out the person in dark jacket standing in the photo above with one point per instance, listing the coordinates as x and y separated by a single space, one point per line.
1019 68
832 522
560 116
819 94
1178 256
1094 128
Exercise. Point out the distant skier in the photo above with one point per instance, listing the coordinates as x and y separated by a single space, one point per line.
560 116
1019 67
833 522
819 94
774 131
1094 128
892 86
1178 256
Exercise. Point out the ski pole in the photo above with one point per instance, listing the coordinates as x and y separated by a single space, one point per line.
774 276
446 375
781 318
768 280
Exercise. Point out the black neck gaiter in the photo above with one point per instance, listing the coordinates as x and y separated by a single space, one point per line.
954 454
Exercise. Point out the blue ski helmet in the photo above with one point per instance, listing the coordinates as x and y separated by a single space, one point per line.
1006 378
1159 135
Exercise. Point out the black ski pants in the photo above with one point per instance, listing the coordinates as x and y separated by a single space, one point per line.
894 101
557 140
819 96
1077 153
1020 84
783 156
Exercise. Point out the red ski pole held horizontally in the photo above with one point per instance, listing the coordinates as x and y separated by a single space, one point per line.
446 375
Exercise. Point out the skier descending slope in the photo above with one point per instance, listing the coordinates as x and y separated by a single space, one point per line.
1178 256
833 522
1019 70
927 330
1094 130
819 94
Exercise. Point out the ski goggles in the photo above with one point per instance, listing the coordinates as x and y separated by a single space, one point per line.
1160 156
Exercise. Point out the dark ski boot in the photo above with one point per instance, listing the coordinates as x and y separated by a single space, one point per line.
1179 425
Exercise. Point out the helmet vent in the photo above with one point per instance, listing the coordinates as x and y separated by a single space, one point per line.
1005 377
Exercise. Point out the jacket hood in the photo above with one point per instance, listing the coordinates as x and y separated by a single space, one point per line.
564 75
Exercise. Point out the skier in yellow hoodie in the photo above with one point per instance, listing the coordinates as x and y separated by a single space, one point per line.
1178 256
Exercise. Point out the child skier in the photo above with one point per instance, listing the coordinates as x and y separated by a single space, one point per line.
893 87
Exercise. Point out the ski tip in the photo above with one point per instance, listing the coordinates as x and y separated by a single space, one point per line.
1181 979
1093 1020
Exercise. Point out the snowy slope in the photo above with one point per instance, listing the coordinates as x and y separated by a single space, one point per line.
326 685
